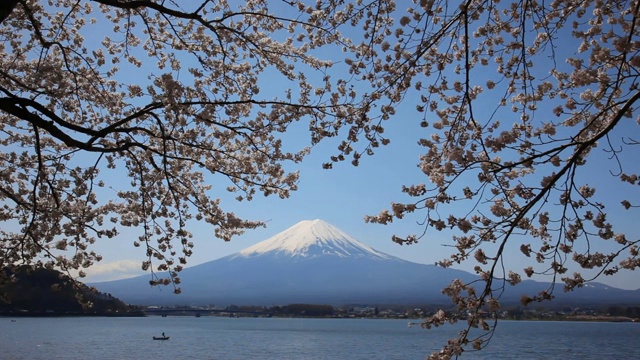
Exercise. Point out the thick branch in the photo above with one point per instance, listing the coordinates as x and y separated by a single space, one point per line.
9 106
135 4
6 8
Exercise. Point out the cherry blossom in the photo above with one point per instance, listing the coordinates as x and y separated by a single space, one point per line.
133 114
516 100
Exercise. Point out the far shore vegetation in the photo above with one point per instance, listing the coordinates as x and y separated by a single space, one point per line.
613 313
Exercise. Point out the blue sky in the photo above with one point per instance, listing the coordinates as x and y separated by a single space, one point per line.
344 195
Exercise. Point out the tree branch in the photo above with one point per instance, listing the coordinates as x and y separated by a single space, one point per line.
6 8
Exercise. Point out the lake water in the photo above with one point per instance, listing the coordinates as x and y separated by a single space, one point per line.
223 338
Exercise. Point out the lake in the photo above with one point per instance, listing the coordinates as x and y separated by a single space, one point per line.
220 338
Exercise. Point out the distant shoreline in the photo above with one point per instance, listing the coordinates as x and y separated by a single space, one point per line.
39 314
576 318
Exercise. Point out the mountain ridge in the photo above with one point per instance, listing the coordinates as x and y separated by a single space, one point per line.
315 262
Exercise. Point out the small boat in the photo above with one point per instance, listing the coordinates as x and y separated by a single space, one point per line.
160 338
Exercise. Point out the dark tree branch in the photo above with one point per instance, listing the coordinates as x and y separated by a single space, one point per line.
6 8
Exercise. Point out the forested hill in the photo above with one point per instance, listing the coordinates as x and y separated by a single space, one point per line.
48 292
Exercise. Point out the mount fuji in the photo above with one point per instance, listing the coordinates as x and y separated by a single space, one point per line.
311 262
312 239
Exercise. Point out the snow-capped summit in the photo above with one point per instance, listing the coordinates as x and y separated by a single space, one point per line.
312 238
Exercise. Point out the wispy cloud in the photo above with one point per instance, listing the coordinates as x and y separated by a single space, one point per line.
115 270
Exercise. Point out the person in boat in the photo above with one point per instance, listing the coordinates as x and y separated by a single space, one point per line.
163 334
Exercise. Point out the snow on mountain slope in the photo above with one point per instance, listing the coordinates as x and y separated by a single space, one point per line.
312 238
